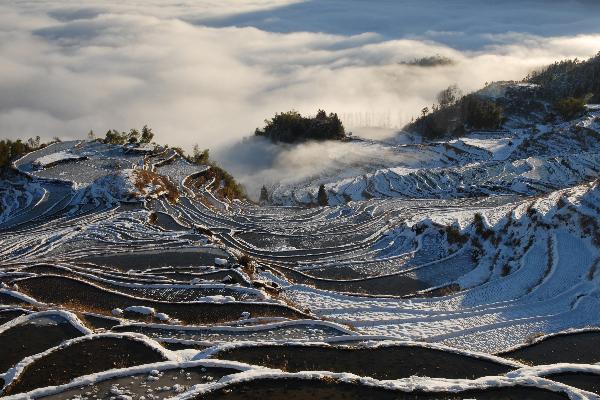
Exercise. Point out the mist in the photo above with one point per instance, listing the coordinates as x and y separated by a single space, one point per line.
209 72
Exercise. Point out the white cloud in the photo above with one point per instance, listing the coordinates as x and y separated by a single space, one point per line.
69 67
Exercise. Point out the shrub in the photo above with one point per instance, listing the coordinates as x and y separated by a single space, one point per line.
480 227
570 107
244 260
291 127
453 235
145 178
223 184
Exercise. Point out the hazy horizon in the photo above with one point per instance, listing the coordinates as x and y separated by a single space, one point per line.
210 72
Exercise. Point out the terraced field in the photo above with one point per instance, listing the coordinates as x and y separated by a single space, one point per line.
476 279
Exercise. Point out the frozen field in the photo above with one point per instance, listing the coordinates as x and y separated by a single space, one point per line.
473 274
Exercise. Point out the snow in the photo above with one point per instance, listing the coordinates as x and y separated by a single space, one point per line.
221 261
69 317
245 315
21 296
535 274
56 157
141 310
216 299
14 372
162 317
501 148
151 369
412 384
360 342
113 188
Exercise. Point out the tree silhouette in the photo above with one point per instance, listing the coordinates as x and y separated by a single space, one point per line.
264 195
147 134
322 197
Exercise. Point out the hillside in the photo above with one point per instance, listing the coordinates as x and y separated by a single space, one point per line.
457 268
532 150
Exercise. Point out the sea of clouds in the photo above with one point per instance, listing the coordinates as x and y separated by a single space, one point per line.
210 71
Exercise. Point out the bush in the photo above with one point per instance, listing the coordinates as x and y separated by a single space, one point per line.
291 127
223 184
570 107
160 183
453 236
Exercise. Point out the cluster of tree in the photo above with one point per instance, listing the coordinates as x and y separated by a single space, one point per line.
569 79
454 114
133 136
291 127
10 150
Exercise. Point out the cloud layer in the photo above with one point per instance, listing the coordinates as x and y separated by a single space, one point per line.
209 72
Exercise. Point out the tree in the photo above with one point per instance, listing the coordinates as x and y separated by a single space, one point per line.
134 135
114 137
33 143
264 195
10 150
200 157
147 134
322 197
448 96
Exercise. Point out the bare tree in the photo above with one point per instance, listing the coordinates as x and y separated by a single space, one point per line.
448 96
